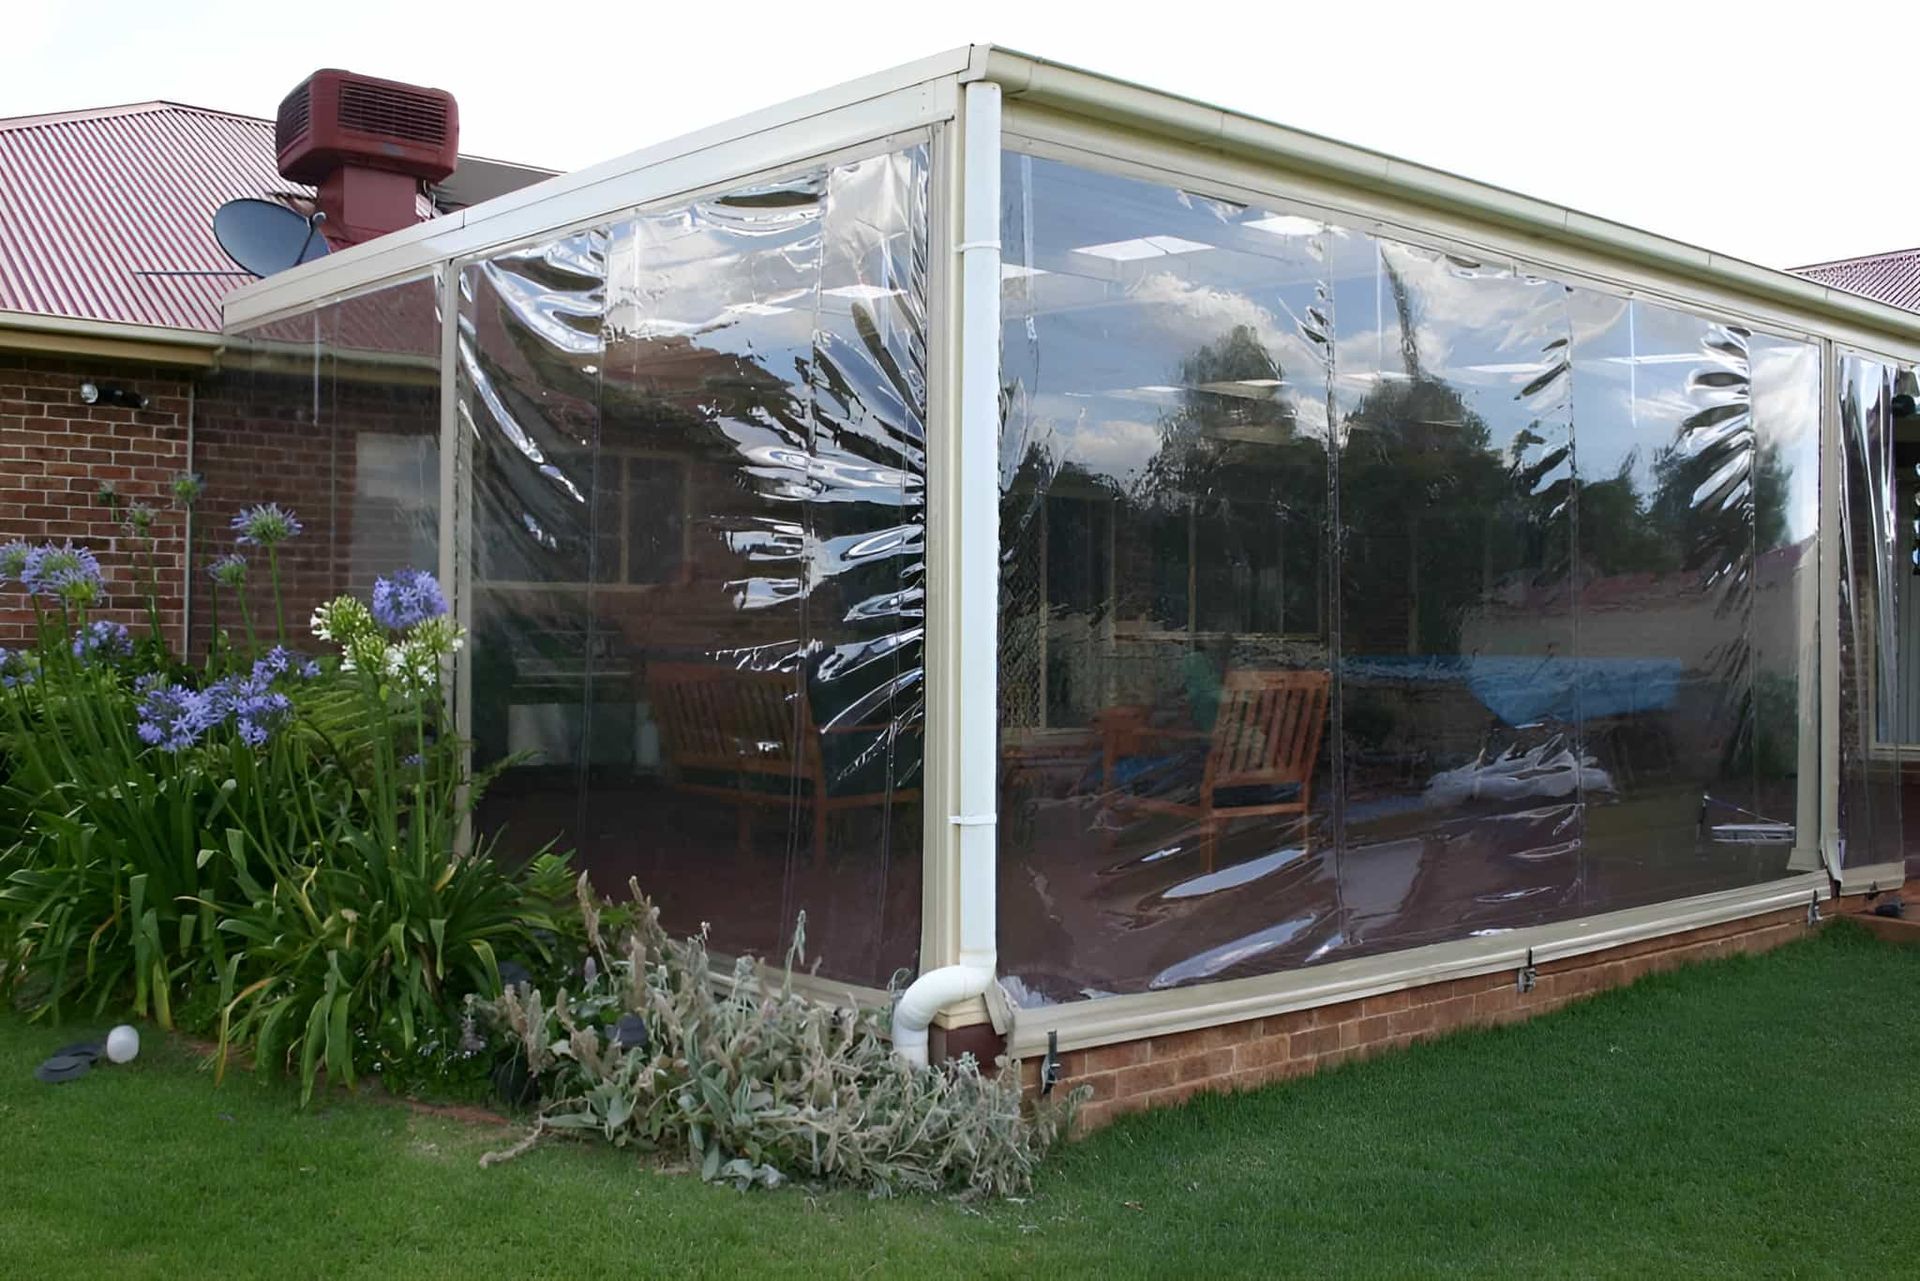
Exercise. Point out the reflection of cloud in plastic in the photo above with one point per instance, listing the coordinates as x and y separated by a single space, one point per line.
1218 311
1500 311
1119 448
1786 408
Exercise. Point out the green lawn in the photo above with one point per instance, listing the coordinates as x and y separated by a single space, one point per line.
1753 1116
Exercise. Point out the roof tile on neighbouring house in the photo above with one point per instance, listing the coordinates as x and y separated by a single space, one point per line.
1892 278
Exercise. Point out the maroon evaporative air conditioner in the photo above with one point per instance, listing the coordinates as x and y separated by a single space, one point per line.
366 144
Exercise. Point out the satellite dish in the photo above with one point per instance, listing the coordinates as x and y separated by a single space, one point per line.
265 237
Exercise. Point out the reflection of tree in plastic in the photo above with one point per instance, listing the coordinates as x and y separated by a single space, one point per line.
1430 515
1236 489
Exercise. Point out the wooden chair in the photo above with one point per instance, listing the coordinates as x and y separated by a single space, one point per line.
750 738
1266 735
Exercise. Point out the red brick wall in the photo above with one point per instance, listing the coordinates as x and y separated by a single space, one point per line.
56 452
1134 1075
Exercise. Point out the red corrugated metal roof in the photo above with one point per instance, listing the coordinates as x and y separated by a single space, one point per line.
98 207
1890 278
94 204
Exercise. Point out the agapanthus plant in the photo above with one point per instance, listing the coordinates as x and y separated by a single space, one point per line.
257 711
347 622
407 597
18 667
229 573
265 525
172 717
263 834
138 525
67 574
103 641
281 661
229 570
268 525
13 559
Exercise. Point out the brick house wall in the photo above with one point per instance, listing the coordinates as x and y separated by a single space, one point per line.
1131 1076
55 454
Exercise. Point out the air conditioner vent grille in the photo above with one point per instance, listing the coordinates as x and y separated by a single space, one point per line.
393 113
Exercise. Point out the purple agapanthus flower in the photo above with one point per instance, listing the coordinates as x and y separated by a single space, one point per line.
218 699
266 525
408 597
172 717
103 640
274 663
257 713
16 668
13 559
229 570
66 572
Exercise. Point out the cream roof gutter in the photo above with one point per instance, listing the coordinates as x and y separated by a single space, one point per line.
1035 81
107 340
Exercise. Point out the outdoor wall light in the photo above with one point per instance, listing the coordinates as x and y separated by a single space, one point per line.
108 394
1903 406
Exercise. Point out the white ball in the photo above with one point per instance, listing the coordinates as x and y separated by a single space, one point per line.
122 1044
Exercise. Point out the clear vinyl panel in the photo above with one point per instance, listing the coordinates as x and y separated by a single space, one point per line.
1786 596
756 607
341 426
530 354
380 407
1669 473
1874 536
1358 595
1165 620
260 409
1463 762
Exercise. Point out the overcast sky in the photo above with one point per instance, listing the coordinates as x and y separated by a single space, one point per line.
1783 133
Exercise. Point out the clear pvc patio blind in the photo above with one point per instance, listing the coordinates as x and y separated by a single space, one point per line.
1546 552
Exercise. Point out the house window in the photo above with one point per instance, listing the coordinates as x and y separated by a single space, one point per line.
640 520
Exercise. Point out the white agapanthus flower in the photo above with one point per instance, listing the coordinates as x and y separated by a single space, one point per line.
343 620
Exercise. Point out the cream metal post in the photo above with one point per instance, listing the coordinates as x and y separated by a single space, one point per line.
453 531
1831 851
976 595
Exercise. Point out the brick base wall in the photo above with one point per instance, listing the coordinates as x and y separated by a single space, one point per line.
55 453
1133 1075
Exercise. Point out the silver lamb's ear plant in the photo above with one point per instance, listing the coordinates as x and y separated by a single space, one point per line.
758 1084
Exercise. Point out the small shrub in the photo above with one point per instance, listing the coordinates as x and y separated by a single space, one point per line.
755 1083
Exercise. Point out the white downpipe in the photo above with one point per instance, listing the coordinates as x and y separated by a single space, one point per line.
976 601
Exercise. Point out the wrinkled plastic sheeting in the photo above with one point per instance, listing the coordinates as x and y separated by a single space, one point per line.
700 466
1549 550
333 413
1871 541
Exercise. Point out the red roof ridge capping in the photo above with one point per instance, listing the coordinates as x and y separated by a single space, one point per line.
118 109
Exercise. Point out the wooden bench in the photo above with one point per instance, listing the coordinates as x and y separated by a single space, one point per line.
1265 736
749 737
